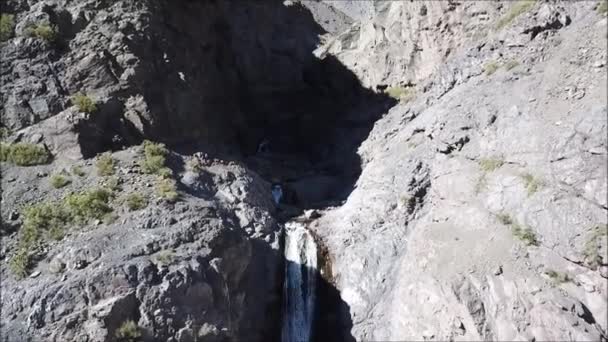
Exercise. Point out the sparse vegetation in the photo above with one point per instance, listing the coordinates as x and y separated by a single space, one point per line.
59 181
602 7
558 277
4 133
167 189
591 251
114 184
43 31
194 165
86 205
84 103
490 67
482 183
490 164
533 184
7 26
136 201
105 164
526 235
504 219
20 263
24 154
401 93
78 171
128 331
518 8
511 64
165 257
155 155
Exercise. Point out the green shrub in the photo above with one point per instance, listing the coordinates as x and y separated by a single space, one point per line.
526 235
78 171
194 165
43 219
4 133
114 184
91 204
491 67
24 154
105 164
532 184
59 181
558 277
7 25
128 331
20 263
165 257
84 103
504 219
511 64
591 251
518 8
167 189
136 201
155 155
602 7
43 31
401 93
490 164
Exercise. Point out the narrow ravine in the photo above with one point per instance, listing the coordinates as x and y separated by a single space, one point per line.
299 285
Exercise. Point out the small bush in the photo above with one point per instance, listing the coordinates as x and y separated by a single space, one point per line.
7 26
43 31
20 263
526 235
114 184
602 7
504 219
167 189
84 103
532 184
43 219
518 8
558 277
78 171
128 331
59 181
490 67
86 205
105 164
194 165
400 93
591 251
4 133
24 154
165 257
155 155
490 164
136 201
511 64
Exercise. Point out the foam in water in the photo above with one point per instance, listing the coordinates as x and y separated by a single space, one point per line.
299 285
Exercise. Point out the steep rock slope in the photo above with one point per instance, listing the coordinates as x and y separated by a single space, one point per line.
481 209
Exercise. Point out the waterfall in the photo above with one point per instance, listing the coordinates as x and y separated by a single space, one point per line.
299 285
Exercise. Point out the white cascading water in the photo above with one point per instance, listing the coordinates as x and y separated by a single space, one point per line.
299 285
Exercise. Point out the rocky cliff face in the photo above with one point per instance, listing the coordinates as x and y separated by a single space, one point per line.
481 209
455 152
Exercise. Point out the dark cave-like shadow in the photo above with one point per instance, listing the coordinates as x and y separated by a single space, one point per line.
249 77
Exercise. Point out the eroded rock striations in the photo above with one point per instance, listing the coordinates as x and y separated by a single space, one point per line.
454 154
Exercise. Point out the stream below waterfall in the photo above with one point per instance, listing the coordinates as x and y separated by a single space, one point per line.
299 287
